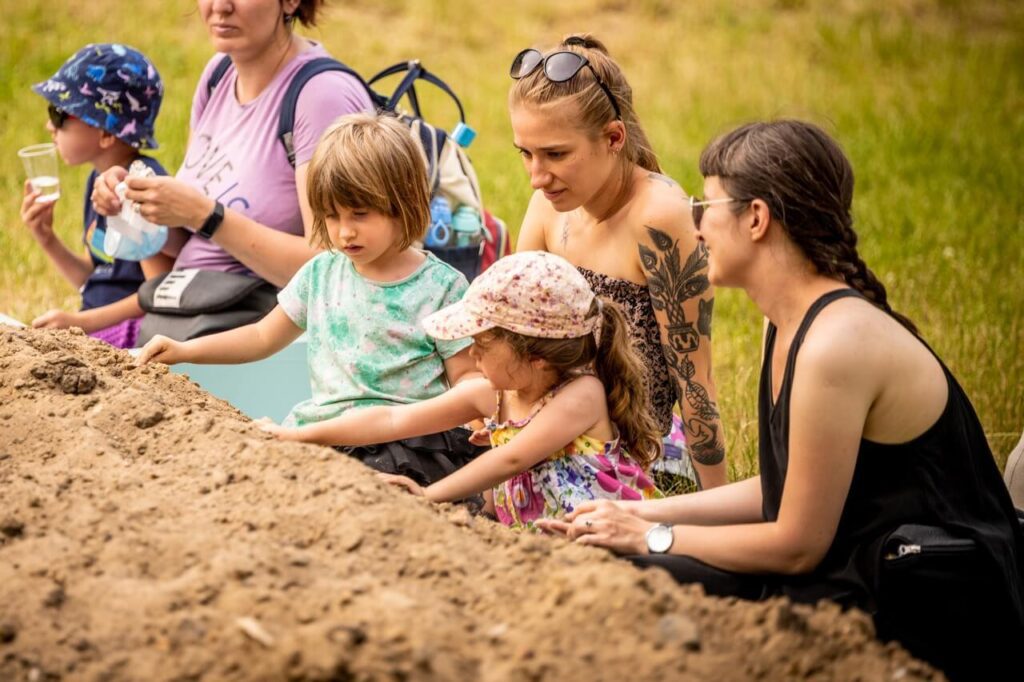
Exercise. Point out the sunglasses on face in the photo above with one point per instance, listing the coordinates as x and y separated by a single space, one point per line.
57 117
559 67
697 207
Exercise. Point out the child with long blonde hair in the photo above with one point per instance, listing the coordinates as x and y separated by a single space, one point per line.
360 302
563 396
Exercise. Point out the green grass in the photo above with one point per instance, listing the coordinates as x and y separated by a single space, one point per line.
925 96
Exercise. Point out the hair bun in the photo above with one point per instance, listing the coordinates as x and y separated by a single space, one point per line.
584 40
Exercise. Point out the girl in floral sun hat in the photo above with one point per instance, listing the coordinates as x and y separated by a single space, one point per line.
563 397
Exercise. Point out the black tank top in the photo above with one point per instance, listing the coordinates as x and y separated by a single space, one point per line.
945 477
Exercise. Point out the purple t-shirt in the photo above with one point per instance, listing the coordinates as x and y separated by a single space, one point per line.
235 157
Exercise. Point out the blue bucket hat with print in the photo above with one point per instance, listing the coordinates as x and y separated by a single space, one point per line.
109 86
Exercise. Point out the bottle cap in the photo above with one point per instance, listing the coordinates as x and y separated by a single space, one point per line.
463 134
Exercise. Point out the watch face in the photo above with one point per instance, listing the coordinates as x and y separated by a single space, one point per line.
659 539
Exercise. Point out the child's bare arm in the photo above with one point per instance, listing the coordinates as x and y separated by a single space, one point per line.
92 319
461 367
244 344
156 265
38 218
379 424
575 410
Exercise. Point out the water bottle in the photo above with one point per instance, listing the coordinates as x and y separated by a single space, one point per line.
467 226
440 231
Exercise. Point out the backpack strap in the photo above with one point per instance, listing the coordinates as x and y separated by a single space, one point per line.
286 123
432 141
406 87
218 74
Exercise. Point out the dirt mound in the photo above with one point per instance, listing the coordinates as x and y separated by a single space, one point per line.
148 531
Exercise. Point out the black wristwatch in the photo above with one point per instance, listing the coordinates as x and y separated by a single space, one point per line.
212 222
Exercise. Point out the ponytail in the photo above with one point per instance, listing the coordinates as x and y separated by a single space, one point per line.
617 367
621 372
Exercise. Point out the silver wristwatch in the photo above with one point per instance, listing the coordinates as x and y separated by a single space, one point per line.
659 538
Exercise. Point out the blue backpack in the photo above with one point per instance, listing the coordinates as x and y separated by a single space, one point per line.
449 169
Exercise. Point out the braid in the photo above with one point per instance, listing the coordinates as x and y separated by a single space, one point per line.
807 182
840 259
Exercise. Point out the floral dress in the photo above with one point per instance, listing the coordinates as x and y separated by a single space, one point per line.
586 469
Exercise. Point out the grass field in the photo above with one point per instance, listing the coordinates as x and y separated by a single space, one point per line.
926 97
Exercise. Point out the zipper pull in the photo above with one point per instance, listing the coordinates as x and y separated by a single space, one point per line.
904 550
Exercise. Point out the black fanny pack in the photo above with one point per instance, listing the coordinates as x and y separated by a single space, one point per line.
185 304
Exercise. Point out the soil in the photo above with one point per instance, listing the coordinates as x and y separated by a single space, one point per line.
149 531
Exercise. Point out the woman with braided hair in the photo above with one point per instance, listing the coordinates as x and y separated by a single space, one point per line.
877 488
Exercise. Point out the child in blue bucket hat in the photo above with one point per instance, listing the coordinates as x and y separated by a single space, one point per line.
103 104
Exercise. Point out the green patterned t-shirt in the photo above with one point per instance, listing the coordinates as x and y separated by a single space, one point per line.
366 344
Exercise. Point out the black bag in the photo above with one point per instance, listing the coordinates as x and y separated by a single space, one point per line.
186 304
940 596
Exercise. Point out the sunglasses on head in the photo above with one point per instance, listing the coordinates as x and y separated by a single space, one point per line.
57 116
698 206
558 67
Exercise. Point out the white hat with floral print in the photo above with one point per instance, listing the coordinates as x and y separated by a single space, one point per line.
533 293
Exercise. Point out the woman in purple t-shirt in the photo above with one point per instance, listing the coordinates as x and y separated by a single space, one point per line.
240 204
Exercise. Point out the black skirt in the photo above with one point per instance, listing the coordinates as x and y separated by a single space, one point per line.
424 459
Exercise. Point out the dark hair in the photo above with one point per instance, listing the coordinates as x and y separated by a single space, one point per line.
807 182
307 11
594 109
616 365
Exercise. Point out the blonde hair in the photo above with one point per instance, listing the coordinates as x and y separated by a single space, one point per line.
615 363
595 111
369 161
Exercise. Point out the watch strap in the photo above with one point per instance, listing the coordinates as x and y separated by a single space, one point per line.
212 222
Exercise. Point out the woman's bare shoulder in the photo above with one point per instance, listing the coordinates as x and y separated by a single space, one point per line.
854 336
659 202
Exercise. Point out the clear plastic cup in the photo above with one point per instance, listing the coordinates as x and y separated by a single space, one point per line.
41 167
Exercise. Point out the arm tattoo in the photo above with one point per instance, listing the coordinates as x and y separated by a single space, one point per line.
658 177
704 318
670 284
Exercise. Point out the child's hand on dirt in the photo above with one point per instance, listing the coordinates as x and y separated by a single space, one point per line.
38 217
161 349
56 319
267 425
403 482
